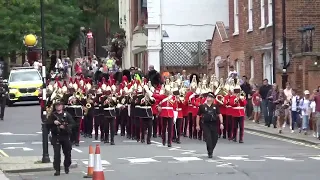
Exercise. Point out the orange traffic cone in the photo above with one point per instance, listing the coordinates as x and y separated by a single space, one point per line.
98 173
90 163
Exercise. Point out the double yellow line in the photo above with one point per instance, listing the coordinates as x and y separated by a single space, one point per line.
3 154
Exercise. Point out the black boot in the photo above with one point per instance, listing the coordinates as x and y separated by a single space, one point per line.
57 173
66 170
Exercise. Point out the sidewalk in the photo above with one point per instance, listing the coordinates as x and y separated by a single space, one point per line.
286 133
24 164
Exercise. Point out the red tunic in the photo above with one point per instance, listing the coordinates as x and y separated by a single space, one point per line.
238 107
228 109
167 105
188 101
154 106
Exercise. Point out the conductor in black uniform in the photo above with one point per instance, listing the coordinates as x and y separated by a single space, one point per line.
207 117
61 123
4 90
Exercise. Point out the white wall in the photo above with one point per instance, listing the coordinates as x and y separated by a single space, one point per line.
192 20
124 11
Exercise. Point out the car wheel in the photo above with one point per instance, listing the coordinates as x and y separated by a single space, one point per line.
10 103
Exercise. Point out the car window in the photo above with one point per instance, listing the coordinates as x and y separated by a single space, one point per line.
24 76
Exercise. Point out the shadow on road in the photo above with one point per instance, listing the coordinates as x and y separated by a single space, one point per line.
25 104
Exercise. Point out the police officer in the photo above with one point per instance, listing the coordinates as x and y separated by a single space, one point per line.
208 115
61 123
4 89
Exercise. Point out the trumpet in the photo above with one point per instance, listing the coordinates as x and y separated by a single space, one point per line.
220 99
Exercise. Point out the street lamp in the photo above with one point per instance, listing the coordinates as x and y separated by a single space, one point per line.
45 144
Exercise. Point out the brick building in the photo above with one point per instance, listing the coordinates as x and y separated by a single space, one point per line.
249 39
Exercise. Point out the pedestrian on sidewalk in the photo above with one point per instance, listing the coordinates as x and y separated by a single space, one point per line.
295 110
312 116
305 108
256 102
316 98
288 94
280 106
273 96
264 90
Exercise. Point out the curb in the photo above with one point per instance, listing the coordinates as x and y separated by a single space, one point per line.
283 137
72 166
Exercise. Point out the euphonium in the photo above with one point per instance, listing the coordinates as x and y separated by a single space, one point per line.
220 98
78 95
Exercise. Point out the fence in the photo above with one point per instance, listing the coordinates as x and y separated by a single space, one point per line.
183 54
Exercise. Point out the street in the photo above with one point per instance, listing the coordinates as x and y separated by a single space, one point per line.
260 157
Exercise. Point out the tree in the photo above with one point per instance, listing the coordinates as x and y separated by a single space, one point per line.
19 17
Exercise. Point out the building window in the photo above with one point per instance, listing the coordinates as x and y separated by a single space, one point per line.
236 17
250 15
267 66
262 15
270 13
216 64
237 66
252 67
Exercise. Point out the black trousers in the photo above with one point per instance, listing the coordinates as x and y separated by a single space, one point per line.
167 123
185 125
123 121
98 124
192 126
88 124
75 136
137 128
238 123
109 126
225 132
129 127
229 127
177 129
3 106
64 143
210 134
146 126
155 125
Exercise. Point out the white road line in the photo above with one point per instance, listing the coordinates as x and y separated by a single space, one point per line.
17 143
78 150
36 142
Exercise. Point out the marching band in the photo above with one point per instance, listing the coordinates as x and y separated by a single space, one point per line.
145 107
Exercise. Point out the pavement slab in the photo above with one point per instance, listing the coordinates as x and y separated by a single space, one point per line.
22 164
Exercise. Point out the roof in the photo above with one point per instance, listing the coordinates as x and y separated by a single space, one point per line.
222 30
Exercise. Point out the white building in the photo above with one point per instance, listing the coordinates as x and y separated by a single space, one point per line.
167 21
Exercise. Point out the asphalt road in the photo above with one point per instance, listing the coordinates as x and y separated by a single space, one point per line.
258 158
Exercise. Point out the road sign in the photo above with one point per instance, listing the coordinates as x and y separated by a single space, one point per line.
23 148
89 35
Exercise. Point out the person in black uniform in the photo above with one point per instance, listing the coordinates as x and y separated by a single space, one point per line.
123 101
88 118
4 90
61 123
133 101
109 113
138 111
98 117
209 114
146 115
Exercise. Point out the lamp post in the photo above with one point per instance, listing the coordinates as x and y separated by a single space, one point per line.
45 151
284 42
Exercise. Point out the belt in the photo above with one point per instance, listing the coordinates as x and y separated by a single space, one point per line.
238 107
179 109
145 107
193 106
168 108
96 107
74 106
137 106
109 108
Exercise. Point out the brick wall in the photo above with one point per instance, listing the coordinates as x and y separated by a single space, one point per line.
248 44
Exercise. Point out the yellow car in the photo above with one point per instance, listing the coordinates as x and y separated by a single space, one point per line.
24 84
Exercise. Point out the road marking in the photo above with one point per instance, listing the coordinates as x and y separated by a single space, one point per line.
23 148
315 158
282 139
18 143
2 153
11 134
280 158
257 160
187 159
142 160
236 158
39 132
155 142
36 142
76 149
129 141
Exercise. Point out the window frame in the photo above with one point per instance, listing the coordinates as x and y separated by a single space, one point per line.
250 16
262 15
270 10
236 17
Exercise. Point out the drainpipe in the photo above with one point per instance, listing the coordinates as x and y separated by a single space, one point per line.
284 42
274 41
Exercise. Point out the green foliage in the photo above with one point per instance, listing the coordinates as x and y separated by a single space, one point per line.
63 19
